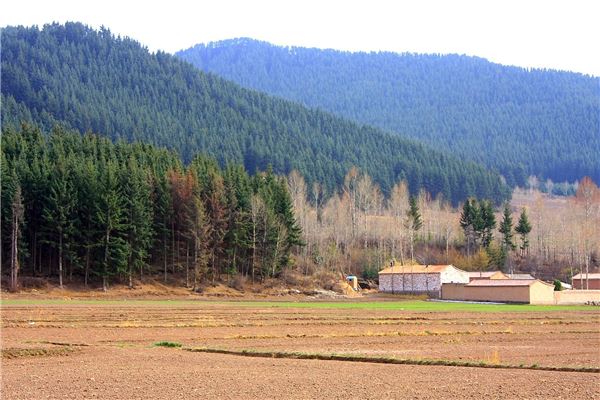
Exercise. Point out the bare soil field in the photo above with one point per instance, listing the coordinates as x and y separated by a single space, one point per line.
107 349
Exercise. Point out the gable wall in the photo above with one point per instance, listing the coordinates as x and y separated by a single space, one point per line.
410 283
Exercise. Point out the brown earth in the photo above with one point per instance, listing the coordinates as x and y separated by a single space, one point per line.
105 350
304 287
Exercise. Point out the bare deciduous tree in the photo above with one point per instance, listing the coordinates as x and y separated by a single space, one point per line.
588 198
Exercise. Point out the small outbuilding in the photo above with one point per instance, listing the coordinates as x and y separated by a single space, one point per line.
420 279
587 281
531 291
352 281
487 275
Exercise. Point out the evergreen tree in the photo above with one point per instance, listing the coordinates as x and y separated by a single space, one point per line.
507 235
8 185
87 233
34 168
258 215
138 210
478 222
487 224
414 222
163 210
238 193
284 209
506 229
59 211
199 231
414 214
523 229
469 219
110 214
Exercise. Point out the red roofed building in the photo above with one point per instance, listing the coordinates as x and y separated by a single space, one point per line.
587 281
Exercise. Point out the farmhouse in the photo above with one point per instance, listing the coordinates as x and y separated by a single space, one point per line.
420 279
586 281
487 275
530 291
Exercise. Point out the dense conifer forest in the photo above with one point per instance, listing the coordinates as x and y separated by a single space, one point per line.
522 122
81 205
92 81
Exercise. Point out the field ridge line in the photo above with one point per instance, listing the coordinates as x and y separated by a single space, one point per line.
381 360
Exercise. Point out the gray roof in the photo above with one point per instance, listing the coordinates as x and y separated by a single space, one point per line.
520 276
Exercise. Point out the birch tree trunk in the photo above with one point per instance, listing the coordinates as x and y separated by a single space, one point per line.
17 210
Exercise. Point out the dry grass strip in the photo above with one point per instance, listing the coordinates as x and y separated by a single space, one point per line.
35 352
64 344
366 334
384 360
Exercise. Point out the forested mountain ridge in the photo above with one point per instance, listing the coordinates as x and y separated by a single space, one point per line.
93 81
522 122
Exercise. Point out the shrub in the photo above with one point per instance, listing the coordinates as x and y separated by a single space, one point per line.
237 282
290 277
167 344
370 273
557 285
328 281
31 282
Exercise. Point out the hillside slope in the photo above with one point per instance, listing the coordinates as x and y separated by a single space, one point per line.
540 122
93 81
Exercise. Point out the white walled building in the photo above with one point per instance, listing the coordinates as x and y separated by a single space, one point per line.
420 279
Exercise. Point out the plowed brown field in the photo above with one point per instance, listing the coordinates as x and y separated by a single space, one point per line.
106 350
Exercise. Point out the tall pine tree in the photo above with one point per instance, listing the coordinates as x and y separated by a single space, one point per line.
507 236
138 210
523 229
414 222
59 213
110 214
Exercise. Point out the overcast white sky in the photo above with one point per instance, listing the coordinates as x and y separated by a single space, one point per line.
530 33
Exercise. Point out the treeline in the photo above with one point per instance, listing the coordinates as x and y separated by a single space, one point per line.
82 205
93 81
522 122
358 230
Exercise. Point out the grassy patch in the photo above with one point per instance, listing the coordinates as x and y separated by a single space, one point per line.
64 344
385 360
411 305
35 352
167 344
418 305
